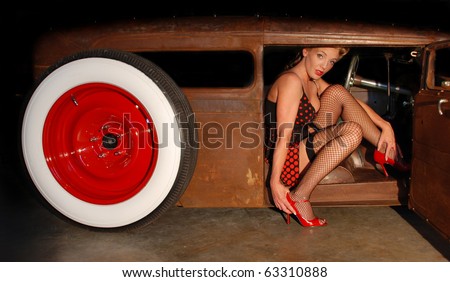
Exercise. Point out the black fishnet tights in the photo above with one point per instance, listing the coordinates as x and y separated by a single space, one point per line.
337 102
334 142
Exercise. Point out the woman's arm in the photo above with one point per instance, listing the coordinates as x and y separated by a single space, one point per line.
387 141
288 99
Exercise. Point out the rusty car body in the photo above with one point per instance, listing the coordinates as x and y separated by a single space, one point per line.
220 69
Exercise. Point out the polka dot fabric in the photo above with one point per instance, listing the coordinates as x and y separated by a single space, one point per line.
305 114
290 175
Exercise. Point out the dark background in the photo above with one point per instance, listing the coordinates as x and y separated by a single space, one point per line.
22 24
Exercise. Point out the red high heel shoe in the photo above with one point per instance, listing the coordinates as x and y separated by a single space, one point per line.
380 158
305 222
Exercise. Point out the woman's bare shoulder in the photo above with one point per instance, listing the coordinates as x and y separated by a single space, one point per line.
288 80
289 76
288 85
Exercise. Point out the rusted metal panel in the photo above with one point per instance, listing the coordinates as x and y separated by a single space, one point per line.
230 168
221 33
230 165
384 192
292 31
189 34
429 189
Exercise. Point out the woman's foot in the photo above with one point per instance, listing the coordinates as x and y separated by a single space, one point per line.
398 163
305 206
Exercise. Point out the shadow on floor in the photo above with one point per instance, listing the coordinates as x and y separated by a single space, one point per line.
427 231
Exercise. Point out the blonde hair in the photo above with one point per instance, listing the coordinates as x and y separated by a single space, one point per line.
342 52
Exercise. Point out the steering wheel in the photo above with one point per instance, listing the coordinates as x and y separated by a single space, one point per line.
351 72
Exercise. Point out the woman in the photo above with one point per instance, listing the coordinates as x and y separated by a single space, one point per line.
305 141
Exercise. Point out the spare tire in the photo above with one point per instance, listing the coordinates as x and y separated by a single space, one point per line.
108 140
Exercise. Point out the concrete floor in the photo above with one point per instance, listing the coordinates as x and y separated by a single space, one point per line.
29 232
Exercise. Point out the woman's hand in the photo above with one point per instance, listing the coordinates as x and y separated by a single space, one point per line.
387 142
279 192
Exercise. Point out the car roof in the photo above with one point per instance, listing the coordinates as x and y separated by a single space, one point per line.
198 33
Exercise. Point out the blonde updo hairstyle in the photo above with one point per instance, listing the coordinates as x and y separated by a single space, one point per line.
342 52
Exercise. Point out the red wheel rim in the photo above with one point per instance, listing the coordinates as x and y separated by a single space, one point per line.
100 143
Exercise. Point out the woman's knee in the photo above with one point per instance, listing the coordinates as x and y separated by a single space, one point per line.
353 129
336 90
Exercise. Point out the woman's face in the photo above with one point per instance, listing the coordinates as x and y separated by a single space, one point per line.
320 60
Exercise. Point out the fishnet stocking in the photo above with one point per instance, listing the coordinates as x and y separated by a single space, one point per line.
335 142
337 102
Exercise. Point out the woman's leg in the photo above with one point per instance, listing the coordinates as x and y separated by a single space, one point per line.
337 102
335 142
332 145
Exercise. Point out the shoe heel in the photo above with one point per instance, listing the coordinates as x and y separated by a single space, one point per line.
384 170
379 158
